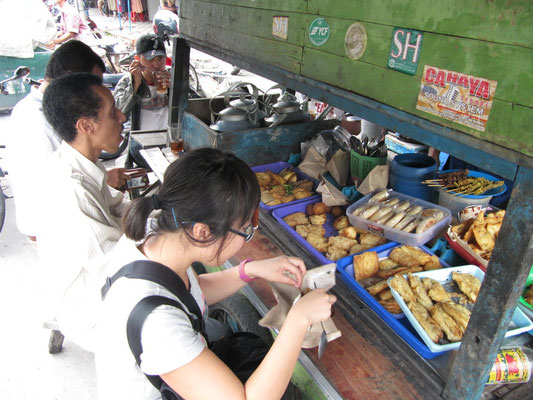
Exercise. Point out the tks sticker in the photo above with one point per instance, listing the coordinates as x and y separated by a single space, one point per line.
319 32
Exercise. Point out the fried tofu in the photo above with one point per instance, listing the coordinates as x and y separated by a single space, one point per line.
306 230
298 218
318 242
318 219
365 265
341 222
342 242
349 232
371 239
335 253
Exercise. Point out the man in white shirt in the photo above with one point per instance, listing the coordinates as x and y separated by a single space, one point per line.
80 218
31 139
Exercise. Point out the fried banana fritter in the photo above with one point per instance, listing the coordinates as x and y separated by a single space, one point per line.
468 284
422 316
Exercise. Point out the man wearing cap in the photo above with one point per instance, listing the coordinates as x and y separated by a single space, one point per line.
136 93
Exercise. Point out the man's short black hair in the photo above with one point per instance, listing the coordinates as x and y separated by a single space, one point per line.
69 98
73 56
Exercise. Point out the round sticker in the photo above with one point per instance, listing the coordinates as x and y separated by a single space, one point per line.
319 32
355 41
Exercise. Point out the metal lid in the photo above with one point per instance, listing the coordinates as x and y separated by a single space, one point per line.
248 104
233 114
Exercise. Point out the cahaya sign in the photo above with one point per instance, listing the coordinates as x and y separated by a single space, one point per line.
458 97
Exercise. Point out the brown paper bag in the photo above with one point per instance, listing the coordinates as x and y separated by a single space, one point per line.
331 196
313 164
323 277
339 167
378 178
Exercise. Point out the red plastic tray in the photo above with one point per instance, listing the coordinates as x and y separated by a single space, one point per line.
463 253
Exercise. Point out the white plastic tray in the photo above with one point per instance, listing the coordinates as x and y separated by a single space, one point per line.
395 235
519 324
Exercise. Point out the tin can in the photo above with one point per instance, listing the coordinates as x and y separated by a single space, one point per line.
512 366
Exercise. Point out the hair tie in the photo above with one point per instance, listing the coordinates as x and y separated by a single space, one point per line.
155 202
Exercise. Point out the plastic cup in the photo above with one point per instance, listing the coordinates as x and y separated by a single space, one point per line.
160 82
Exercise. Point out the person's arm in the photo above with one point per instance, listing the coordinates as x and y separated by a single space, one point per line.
270 379
219 285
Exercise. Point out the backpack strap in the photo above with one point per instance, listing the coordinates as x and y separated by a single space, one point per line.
164 276
135 323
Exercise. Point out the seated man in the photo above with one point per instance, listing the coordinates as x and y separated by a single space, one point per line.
31 139
137 94
79 219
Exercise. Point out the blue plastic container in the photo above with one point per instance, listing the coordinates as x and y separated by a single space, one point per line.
408 171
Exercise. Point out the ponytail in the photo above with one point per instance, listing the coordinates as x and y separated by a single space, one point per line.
136 217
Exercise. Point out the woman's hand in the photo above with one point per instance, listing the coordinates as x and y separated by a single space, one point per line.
314 307
282 269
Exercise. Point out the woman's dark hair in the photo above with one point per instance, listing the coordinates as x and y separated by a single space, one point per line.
207 186
69 98
73 56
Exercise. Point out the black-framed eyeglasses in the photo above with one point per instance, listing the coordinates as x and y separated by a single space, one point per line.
247 233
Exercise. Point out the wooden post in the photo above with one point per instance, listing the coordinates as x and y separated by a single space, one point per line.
504 282
179 84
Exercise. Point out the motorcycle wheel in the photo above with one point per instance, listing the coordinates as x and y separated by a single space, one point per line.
237 313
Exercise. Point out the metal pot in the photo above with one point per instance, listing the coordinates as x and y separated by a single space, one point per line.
286 110
233 119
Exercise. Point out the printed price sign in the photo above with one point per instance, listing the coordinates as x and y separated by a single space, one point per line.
280 27
319 32
457 97
405 50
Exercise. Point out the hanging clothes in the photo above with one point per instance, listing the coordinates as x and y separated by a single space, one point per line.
136 6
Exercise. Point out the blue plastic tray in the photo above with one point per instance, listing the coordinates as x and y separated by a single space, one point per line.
279 166
328 226
493 192
398 322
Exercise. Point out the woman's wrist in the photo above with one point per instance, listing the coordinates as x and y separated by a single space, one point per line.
243 275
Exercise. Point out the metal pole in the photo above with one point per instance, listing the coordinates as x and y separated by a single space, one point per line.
129 13
119 14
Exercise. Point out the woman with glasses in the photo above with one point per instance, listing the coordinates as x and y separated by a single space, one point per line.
205 210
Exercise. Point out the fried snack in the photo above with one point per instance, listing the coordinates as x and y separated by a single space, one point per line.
419 291
468 284
400 284
358 248
395 219
437 292
494 229
380 213
365 265
335 253
341 242
392 202
275 179
306 230
408 256
387 264
528 295
427 282
269 200
368 212
425 224
377 288
371 240
337 211
349 232
413 210
411 226
422 316
319 208
288 175
301 193
318 219
385 218
391 306
459 313
387 273
341 222
452 330
319 242
298 218
385 295
263 178
405 221
432 264
461 229
304 184
404 205
483 238
380 196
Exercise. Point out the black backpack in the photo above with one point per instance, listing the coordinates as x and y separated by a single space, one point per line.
242 352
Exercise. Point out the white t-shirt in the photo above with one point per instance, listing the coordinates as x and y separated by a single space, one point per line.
168 339
31 141
154 111
79 224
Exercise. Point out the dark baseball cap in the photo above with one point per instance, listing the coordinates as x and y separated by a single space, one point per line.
150 46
